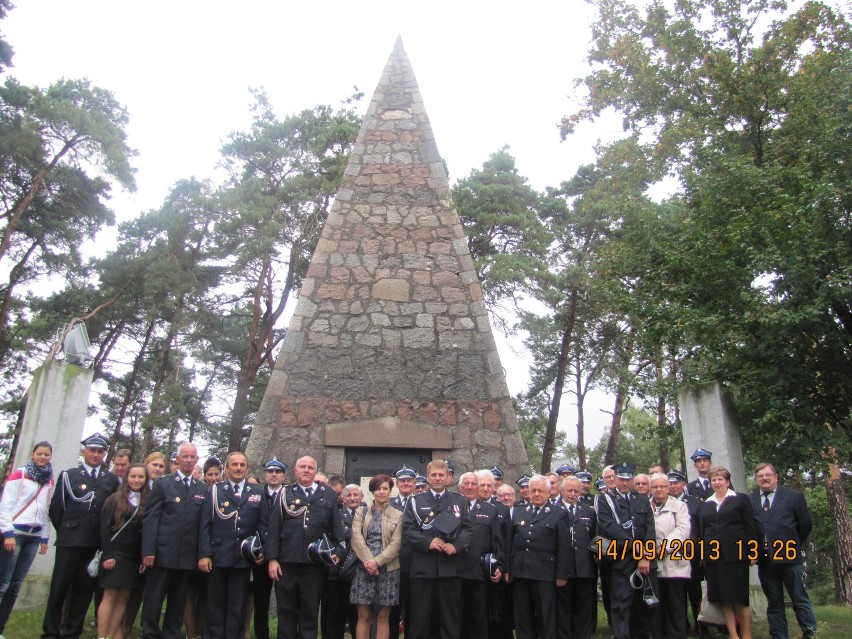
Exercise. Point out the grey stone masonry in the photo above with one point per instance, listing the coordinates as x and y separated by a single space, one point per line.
390 344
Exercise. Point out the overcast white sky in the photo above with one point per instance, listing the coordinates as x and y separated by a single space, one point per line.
491 73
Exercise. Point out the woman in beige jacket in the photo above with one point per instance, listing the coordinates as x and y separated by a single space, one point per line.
376 540
672 523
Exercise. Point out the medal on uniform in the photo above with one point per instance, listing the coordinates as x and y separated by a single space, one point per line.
226 504
82 486
298 501
177 500
523 523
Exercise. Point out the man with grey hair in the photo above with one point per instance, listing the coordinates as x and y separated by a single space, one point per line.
335 609
538 565
577 608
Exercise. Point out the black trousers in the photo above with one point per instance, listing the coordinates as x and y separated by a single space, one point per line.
403 609
603 573
262 593
535 608
298 593
71 589
670 616
474 611
501 613
576 609
336 609
439 599
630 617
164 584
227 589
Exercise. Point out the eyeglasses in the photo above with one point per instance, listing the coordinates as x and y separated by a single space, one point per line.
765 475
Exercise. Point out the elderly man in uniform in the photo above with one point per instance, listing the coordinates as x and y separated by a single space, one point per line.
406 479
335 609
703 461
273 471
677 485
538 565
784 522
170 545
307 511
230 515
625 517
437 528
75 512
577 606
485 539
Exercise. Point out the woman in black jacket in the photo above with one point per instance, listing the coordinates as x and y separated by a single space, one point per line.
729 534
121 543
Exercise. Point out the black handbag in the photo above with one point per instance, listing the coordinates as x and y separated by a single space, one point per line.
348 566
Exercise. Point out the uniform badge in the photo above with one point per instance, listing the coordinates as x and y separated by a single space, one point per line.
523 523
298 501
226 504
82 486
177 500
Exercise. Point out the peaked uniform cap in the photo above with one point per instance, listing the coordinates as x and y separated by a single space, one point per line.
421 481
523 480
565 469
700 453
676 475
498 474
600 484
275 464
624 470
96 441
405 472
584 476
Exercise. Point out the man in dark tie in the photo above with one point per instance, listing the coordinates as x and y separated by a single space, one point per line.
577 606
437 528
406 478
783 523
75 512
702 461
677 485
170 545
307 511
274 471
626 518
538 565
231 514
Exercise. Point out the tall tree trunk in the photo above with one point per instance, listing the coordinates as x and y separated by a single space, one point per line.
661 420
620 403
581 418
559 383
838 509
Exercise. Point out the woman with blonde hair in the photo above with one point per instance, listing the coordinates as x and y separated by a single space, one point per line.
155 466
376 540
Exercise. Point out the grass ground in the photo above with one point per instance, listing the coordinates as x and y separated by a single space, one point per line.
835 622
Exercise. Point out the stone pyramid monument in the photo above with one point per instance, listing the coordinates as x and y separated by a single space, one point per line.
389 357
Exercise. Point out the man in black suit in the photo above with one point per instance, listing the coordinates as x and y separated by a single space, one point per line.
783 524
677 485
577 606
273 471
585 478
437 528
700 487
523 483
75 512
625 517
503 621
406 479
170 545
538 564
485 538
307 510
231 514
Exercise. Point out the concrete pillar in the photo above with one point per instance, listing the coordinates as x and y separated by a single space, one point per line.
708 422
56 412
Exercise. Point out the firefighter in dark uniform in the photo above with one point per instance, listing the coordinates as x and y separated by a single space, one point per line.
586 496
170 545
274 471
498 481
306 511
75 512
702 460
677 484
523 483
577 602
485 539
230 515
625 517
437 527
406 480
538 564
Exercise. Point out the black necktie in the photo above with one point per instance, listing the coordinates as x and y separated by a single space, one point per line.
706 484
186 481
308 491
571 510
236 490
272 496
438 499
766 494
94 474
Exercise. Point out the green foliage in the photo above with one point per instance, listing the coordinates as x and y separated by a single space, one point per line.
6 51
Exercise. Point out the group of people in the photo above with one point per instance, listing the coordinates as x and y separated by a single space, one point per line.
201 546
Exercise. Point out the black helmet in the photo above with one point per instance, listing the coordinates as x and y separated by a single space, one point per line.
489 564
320 551
251 549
